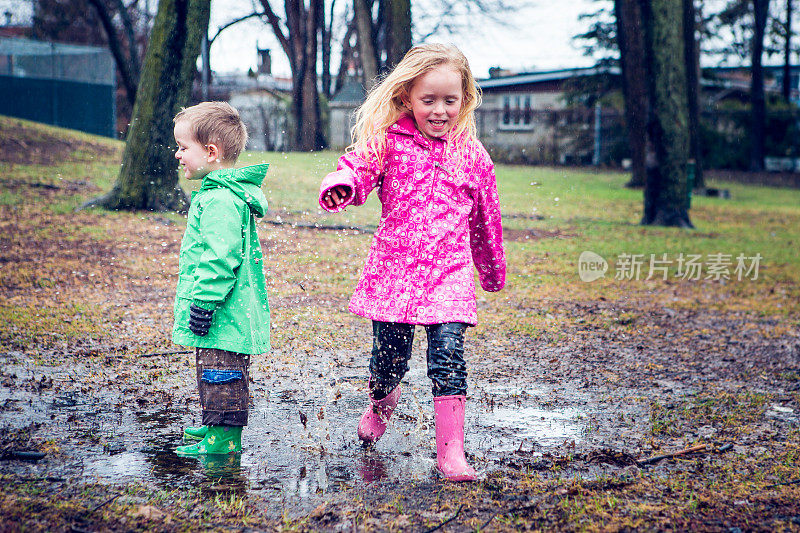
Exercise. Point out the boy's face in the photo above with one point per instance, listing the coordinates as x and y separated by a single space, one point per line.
193 156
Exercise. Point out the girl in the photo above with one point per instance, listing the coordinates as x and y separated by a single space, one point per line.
415 141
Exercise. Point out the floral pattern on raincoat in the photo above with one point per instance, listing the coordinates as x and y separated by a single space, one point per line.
440 215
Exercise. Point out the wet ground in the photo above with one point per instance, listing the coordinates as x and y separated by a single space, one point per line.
300 445
584 409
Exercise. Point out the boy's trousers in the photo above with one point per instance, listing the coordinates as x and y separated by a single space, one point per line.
222 379
391 351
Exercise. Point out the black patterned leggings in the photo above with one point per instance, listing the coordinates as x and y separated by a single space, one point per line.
391 351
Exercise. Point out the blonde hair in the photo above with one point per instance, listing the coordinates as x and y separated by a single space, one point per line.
216 123
384 103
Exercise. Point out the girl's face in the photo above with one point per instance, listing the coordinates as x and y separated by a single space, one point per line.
435 100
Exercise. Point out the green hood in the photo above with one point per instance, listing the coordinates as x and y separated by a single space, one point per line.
244 182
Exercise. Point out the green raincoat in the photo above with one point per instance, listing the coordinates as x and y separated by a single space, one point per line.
221 266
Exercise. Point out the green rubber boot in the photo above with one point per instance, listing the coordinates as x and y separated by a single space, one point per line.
218 439
195 433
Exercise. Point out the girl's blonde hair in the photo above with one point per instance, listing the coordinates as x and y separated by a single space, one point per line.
384 103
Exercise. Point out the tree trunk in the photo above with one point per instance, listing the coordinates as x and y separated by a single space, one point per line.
148 178
346 59
398 32
366 43
326 29
787 53
309 136
630 39
692 54
666 193
757 99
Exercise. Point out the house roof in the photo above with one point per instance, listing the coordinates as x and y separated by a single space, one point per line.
545 76
351 93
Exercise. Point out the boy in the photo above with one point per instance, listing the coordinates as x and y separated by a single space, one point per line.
221 301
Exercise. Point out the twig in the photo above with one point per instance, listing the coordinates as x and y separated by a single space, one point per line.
22 455
154 354
176 352
431 530
49 479
488 521
106 502
656 458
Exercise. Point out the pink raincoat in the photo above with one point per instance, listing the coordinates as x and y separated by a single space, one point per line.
440 213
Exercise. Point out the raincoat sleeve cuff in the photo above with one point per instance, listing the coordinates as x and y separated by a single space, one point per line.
343 178
208 306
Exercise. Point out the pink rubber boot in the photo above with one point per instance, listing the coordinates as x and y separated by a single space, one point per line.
373 421
450 439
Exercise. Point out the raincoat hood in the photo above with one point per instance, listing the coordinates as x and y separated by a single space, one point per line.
244 182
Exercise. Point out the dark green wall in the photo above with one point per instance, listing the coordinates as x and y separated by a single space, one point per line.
80 106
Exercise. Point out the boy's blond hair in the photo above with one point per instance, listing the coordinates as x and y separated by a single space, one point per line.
216 123
384 103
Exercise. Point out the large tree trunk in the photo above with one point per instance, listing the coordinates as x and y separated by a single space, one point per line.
149 178
366 42
630 39
787 52
398 31
666 193
757 99
310 137
692 54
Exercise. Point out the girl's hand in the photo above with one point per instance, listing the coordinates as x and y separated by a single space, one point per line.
337 196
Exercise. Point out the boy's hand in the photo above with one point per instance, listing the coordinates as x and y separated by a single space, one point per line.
337 196
200 320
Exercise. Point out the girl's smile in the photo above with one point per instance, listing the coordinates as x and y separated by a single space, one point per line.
435 101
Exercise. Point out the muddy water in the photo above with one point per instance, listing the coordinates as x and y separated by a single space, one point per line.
115 430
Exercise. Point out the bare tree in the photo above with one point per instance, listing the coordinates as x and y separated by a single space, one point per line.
127 62
298 39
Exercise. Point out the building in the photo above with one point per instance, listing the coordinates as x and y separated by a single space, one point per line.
524 118
342 113
60 84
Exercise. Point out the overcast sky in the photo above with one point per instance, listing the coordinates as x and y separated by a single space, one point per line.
538 36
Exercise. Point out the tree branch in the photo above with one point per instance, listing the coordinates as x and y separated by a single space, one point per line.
275 22
114 45
235 21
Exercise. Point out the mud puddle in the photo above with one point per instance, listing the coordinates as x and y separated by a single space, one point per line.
106 426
